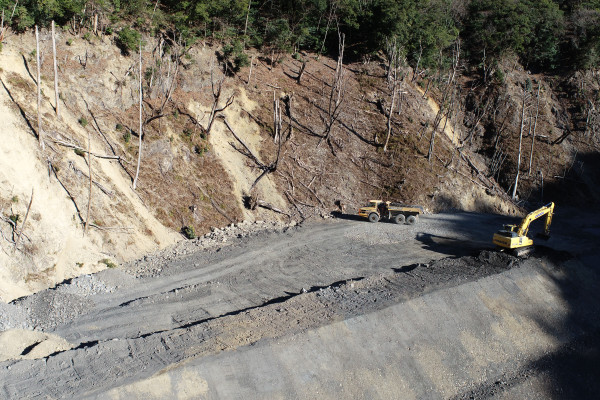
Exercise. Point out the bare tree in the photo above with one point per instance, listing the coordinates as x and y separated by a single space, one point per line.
393 80
266 168
137 170
537 112
445 98
301 72
276 120
87 217
39 90
250 72
56 94
215 109
2 27
516 184
416 70
336 95
247 17
24 221
332 16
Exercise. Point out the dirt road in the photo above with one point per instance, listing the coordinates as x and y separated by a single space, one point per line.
263 292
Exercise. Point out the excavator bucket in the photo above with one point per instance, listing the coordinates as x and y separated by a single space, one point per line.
544 236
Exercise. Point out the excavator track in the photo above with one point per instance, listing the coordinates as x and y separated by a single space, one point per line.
522 252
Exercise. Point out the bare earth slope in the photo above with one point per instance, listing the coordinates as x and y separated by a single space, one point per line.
237 323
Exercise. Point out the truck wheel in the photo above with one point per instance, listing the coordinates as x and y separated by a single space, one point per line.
411 220
399 219
373 217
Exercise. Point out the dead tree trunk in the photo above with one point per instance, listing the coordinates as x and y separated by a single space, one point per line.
39 90
87 216
266 168
276 120
537 112
416 70
137 170
514 193
2 27
389 120
447 92
247 16
56 94
24 221
302 68
336 96
250 72
394 61
216 92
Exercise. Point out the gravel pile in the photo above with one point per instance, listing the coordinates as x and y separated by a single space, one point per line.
152 265
12 317
50 308
85 285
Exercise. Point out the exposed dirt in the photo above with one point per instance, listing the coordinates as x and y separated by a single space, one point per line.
191 178
274 285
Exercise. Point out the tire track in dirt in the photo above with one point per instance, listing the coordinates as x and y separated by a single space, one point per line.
98 367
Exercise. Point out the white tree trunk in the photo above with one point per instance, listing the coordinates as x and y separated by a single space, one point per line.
537 112
39 90
137 170
87 217
56 93
514 193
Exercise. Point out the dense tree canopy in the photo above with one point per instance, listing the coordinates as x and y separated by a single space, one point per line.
545 34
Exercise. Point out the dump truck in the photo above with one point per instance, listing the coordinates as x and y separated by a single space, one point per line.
397 212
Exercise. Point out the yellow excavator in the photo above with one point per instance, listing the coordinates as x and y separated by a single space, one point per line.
514 237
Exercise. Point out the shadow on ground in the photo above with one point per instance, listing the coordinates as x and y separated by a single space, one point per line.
348 217
450 246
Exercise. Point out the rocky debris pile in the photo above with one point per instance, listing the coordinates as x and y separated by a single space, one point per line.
12 317
219 236
50 308
152 265
85 285
64 302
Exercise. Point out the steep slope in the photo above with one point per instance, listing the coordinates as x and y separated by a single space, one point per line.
52 245
198 172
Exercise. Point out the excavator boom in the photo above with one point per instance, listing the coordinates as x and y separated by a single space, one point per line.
547 210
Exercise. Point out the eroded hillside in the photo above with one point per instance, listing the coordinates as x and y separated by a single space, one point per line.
213 153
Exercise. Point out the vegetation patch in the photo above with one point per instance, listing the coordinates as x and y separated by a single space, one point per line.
108 263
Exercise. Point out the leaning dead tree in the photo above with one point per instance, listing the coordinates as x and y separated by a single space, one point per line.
23 224
137 170
278 140
89 205
245 150
336 95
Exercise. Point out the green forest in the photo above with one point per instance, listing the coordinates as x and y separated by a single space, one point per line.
546 35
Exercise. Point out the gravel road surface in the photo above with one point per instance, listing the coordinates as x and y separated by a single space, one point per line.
191 308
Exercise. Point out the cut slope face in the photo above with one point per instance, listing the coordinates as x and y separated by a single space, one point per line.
190 180
52 246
